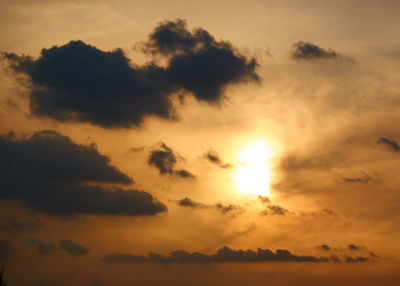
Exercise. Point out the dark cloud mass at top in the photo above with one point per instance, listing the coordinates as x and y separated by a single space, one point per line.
79 82
308 51
51 173
164 159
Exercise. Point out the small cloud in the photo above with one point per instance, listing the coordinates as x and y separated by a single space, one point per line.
73 248
164 159
41 246
214 158
390 143
324 247
308 51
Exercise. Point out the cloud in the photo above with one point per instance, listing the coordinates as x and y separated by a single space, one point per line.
22 226
391 143
214 157
51 173
41 246
349 259
224 254
73 248
308 51
5 249
355 247
79 82
227 208
364 179
187 202
324 247
264 199
275 210
165 160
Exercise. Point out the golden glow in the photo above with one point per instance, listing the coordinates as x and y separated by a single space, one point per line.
252 174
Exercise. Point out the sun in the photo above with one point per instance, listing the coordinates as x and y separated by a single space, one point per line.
252 174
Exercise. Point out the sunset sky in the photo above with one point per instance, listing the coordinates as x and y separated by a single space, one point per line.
200 142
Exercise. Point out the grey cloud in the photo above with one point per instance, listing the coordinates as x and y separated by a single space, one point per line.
73 248
214 158
187 202
390 143
224 254
41 246
164 159
50 173
79 82
308 51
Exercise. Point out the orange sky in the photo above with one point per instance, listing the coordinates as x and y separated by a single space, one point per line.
188 125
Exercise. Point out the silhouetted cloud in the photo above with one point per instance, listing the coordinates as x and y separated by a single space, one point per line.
50 172
275 210
165 160
5 249
73 248
391 143
324 247
349 259
364 179
22 225
294 162
214 157
355 247
227 208
187 202
264 199
224 254
79 82
308 51
41 246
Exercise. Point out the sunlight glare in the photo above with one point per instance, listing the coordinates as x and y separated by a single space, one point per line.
252 175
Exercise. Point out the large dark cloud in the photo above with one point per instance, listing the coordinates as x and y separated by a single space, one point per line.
225 254
308 51
164 159
73 248
79 82
5 249
391 143
52 174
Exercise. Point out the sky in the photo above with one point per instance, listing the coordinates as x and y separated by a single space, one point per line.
199 142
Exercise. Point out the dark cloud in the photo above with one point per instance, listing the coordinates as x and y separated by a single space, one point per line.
308 51
51 173
5 249
227 208
364 179
73 248
391 143
187 202
324 247
355 247
225 254
349 259
22 225
264 199
79 82
41 246
214 157
275 210
165 160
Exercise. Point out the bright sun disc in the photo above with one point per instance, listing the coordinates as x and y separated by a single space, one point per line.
252 174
